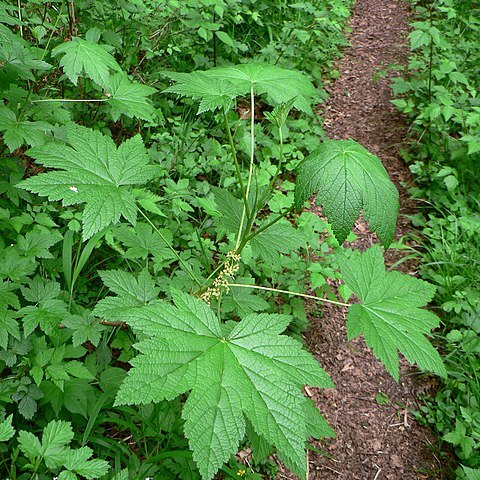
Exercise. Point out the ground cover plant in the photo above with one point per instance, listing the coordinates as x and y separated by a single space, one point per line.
149 256
440 95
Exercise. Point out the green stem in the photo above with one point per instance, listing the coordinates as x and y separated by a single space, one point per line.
71 100
237 166
259 230
276 290
19 8
250 172
277 172
32 84
167 243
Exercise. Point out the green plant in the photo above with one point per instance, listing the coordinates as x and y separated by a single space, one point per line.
439 94
190 346
151 203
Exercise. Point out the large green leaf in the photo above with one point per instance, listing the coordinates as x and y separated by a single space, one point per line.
17 57
348 178
89 57
252 371
92 170
216 87
282 237
212 93
129 98
389 315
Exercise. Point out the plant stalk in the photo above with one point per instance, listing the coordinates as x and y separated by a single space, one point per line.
237 166
276 290
175 253
250 172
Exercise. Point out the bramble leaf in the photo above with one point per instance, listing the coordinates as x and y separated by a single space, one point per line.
92 170
389 315
243 301
212 93
131 292
142 242
17 57
471 473
348 178
38 241
281 237
79 461
8 327
254 371
89 57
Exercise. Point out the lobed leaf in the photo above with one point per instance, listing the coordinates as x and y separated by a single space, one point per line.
389 315
347 178
86 56
253 372
217 87
92 170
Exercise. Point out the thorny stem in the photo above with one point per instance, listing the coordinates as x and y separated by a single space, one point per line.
276 290
263 228
177 256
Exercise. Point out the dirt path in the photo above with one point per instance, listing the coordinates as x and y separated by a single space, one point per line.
375 441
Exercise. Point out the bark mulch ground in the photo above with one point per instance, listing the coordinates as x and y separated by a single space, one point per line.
374 441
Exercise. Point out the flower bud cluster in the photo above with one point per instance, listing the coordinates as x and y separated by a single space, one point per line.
220 284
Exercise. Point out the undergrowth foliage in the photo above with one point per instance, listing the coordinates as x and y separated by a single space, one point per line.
199 236
439 94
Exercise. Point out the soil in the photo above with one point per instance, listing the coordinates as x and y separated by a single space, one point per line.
376 440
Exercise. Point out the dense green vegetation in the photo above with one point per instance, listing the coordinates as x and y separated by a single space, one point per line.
441 95
154 248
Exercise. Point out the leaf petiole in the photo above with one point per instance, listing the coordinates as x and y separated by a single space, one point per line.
250 172
288 292
175 253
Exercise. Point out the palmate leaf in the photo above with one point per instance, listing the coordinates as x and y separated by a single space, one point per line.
215 88
281 237
252 371
89 57
17 57
212 93
131 292
92 170
129 98
389 315
348 178
17 133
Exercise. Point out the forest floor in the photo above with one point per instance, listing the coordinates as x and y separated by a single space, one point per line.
375 440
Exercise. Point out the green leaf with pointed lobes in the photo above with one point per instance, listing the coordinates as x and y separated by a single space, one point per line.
388 314
217 87
254 372
347 178
93 171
